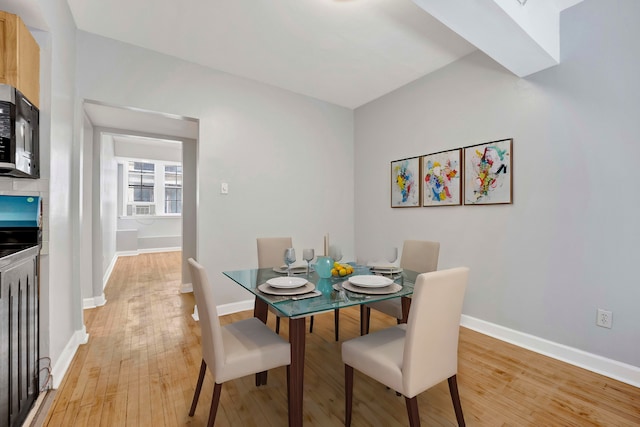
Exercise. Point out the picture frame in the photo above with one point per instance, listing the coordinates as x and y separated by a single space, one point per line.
442 178
488 173
406 188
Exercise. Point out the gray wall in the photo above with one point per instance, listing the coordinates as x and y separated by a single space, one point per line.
569 243
288 158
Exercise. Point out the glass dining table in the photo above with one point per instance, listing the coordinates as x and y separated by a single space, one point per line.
331 295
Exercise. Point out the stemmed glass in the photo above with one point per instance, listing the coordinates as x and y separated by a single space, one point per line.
289 258
335 253
392 254
307 255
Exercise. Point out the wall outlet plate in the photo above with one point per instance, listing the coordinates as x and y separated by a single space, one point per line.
604 318
224 188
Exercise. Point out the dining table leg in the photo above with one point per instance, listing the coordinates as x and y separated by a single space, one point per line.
260 310
364 319
297 338
406 304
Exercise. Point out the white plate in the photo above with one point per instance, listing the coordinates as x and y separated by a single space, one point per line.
394 270
286 282
308 287
368 281
390 289
294 270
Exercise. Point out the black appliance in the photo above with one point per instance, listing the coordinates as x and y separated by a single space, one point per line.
20 240
19 135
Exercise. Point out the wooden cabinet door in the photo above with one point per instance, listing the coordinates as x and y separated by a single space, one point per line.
19 57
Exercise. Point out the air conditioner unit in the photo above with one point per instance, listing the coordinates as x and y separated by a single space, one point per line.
133 210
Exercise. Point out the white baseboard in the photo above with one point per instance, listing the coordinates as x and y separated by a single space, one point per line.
94 302
147 251
64 361
235 307
225 309
107 273
623 372
155 250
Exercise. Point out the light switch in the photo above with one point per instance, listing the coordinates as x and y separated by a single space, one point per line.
224 188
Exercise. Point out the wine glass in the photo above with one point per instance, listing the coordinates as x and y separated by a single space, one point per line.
307 255
289 258
335 253
392 254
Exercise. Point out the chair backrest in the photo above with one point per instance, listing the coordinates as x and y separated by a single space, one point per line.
420 255
431 342
212 347
271 251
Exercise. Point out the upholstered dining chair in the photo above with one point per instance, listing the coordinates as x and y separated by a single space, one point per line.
231 351
271 254
417 255
411 358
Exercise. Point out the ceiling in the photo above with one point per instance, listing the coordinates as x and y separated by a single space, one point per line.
346 52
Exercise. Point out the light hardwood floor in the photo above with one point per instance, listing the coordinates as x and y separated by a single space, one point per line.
141 363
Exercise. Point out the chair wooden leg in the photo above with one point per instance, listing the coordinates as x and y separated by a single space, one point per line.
196 395
336 313
278 325
311 325
348 391
455 398
412 411
217 388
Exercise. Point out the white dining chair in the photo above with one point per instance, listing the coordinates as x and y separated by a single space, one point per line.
234 350
417 255
271 254
413 357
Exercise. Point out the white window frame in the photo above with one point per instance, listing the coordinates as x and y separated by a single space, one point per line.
158 189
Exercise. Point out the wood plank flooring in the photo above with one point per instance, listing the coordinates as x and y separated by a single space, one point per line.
141 364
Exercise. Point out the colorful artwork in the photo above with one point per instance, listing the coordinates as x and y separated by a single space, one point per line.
488 175
405 183
441 174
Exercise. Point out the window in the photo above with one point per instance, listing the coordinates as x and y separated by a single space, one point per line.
141 182
152 188
173 189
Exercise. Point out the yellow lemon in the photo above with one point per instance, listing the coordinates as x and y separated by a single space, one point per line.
334 272
343 272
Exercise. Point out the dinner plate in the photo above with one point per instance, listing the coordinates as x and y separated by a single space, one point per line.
308 287
389 289
369 281
286 282
386 270
294 269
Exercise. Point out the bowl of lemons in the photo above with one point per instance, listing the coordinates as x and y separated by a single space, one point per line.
341 270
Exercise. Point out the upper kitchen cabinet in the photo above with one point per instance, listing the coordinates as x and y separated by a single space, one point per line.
19 57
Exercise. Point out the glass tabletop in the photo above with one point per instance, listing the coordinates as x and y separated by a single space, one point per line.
332 294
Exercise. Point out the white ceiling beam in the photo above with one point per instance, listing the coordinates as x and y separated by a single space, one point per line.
524 38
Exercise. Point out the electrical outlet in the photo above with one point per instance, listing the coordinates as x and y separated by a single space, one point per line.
604 318
224 188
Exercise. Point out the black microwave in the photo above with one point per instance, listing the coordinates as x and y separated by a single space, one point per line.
19 135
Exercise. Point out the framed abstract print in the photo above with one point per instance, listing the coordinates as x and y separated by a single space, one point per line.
442 178
405 183
488 174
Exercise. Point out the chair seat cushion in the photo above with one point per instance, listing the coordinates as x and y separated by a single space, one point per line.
392 307
378 355
249 347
